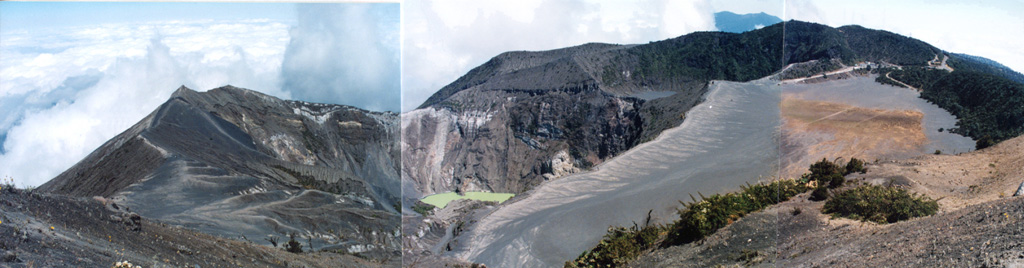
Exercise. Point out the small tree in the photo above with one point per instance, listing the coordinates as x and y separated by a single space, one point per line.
823 168
293 246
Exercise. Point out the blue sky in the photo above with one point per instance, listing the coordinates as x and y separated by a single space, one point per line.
73 75
34 15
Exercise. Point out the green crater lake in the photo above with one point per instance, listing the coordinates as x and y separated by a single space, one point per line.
441 200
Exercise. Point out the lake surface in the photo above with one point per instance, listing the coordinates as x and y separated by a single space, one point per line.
726 141
441 200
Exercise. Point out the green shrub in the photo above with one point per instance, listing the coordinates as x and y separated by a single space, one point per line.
820 193
824 168
855 165
879 204
835 180
696 221
700 219
830 173
619 246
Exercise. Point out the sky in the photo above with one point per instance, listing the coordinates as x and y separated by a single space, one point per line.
443 40
73 75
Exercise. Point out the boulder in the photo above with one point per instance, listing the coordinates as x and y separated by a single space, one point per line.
1020 190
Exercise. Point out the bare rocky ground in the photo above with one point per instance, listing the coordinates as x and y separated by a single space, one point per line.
979 224
46 230
425 239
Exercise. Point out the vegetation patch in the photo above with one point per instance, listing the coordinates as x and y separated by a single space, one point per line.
700 219
989 108
423 208
697 220
620 246
880 204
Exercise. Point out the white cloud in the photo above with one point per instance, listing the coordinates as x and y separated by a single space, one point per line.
804 10
66 91
443 40
345 54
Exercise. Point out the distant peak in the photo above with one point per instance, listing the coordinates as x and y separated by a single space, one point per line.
727 21
182 92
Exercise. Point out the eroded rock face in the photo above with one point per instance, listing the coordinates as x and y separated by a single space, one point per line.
241 164
511 147
526 117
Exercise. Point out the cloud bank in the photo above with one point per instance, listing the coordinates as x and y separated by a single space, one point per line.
345 54
66 91
445 39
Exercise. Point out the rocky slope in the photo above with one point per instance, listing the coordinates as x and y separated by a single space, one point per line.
525 117
979 223
46 230
244 165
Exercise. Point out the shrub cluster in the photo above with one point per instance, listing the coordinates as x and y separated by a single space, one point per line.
830 175
880 204
855 165
700 219
619 246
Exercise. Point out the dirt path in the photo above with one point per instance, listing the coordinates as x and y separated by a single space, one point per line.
843 70
901 82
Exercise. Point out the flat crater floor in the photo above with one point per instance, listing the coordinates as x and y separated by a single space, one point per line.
820 129
857 117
